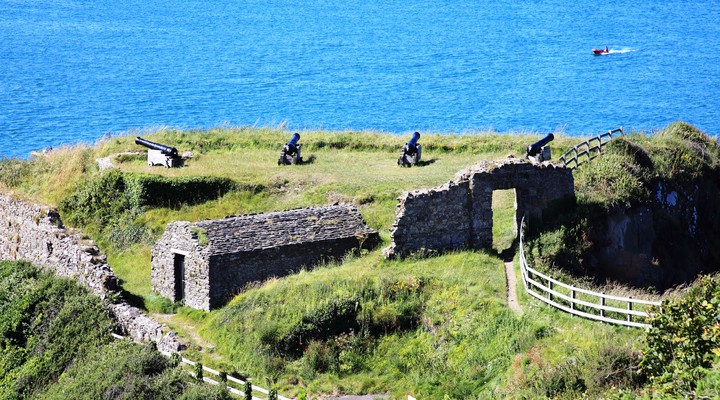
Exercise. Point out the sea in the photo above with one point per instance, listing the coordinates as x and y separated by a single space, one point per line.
79 70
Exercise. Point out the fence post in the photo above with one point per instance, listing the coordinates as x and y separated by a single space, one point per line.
550 286
602 304
572 302
629 307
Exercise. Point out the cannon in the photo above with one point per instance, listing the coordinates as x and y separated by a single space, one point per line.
290 153
410 153
160 154
538 151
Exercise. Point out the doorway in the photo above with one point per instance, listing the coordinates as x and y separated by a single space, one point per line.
504 229
179 273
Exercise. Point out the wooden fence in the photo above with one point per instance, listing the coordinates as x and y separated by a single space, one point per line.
581 302
231 389
588 149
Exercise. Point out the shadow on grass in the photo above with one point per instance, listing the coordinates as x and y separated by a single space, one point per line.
423 163
509 253
310 160
134 300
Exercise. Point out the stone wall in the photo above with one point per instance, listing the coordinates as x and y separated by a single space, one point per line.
230 273
36 234
179 238
459 214
223 256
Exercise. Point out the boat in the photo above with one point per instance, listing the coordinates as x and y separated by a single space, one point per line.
601 51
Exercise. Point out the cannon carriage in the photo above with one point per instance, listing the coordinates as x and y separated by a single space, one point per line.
290 153
539 151
160 154
411 152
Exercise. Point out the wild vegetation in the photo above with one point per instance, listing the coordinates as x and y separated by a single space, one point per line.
55 344
433 327
632 173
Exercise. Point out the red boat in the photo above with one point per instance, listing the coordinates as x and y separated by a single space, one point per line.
601 51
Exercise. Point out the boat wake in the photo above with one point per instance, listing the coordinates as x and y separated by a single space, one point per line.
620 51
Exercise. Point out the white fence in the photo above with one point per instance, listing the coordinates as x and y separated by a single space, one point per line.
581 302
588 149
231 389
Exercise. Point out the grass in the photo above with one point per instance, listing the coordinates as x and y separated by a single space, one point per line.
462 301
426 327
504 229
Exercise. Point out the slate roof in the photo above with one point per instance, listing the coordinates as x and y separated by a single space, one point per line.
274 229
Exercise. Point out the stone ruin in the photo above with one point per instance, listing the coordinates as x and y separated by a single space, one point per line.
458 215
36 234
206 263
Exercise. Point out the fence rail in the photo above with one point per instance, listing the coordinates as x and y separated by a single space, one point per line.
216 373
588 149
592 305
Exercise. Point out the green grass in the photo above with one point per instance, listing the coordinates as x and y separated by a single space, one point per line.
458 300
504 229
427 327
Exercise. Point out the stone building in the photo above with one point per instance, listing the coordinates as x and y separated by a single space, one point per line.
206 263
459 214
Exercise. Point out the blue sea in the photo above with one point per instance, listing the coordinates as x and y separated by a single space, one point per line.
77 70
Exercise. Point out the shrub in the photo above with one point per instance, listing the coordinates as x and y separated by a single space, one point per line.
45 323
684 338
160 191
112 202
123 369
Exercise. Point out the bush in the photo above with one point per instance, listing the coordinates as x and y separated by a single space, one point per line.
112 193
159 191
112 202
684 338
45 323
127 370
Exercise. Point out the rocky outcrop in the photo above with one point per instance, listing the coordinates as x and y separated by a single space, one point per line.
665 242
36 234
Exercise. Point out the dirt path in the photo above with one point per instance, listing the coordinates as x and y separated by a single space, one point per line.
511 286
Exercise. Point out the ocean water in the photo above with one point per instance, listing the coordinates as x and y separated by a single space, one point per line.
76 70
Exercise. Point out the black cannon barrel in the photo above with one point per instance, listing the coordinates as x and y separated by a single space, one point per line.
415 137
294 140
167 150
534 149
